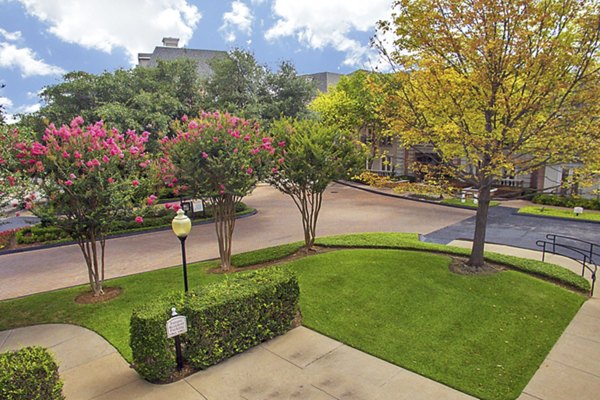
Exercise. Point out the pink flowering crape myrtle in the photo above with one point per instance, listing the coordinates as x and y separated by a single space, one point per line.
221 158
89 176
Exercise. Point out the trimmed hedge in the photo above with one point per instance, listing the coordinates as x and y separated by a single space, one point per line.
153 353
39 234
410 241
29 374
224 319
566 201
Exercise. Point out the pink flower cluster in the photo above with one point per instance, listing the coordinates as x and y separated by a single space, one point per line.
86 148
222 143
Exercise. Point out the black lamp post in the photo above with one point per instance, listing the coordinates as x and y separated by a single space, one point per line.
182 226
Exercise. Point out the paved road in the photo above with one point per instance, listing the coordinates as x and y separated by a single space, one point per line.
508 228
7 224
345 210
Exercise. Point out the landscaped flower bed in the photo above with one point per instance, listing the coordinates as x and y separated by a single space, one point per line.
150 218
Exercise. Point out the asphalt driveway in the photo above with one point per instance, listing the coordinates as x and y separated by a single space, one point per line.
507 227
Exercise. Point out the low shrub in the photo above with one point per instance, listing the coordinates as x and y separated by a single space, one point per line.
8 238
239 313
39 234
566 201
153 353
29 374
224 319
372 179
422 190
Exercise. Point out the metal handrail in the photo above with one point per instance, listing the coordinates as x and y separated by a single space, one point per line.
587 254
590 251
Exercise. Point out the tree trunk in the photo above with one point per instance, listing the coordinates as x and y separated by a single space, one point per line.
90 255
309 204
224 209
476 258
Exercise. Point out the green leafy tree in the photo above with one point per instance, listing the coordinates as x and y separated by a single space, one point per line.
242 86
287 94
496 86
236 84
354 106
88 177
315 155
142 98
220 158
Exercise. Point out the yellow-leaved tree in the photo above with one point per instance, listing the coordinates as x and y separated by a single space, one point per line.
496 86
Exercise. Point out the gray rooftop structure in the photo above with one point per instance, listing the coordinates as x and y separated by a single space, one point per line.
324 80
170 51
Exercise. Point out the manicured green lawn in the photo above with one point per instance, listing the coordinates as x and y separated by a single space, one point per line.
468 203
560 213
485 335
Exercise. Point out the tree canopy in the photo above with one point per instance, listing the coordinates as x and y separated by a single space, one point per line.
241 86
354 105
496 86
142 98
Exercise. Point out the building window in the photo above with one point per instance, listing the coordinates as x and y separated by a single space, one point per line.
386 164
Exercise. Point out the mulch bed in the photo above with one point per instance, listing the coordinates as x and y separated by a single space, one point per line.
459 266
89 298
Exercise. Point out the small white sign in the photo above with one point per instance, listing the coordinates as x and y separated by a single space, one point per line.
198 205
176 326
578 210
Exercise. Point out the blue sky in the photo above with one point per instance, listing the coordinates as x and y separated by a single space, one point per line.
42 39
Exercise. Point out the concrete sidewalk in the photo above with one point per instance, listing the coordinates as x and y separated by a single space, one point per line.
301 364
571 371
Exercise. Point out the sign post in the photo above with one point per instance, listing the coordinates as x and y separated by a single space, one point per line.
177 325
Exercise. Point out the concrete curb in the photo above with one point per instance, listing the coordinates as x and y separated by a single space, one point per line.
555 218
118 235
375 191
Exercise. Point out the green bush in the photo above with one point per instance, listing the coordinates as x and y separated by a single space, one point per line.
566 201
153 353
224 319
29 374
38 234
238 313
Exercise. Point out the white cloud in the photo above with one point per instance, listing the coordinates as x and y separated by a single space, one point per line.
29 108
329 23
10 36
135 26
238 19
26 60
10 113
5 102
